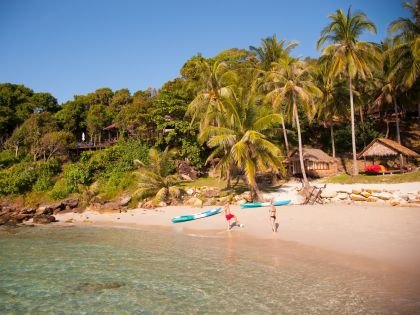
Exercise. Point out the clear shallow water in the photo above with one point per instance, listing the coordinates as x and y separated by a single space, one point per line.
121 271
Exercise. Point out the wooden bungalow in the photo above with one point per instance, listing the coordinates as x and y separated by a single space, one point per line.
317 163
387 149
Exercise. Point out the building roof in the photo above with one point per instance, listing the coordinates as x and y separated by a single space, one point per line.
386 147
312 155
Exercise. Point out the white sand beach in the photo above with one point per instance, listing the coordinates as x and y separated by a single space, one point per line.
376 231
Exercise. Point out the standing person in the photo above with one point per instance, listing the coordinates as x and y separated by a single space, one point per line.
229 216
272 213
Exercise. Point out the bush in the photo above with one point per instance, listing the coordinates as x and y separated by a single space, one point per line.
7 158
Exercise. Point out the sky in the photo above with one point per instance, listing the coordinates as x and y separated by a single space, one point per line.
74 47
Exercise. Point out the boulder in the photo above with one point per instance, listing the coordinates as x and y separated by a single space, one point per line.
4 219
110 206
365 194
356 197
344 190
28 211
198 203
211 192
383 195
190 191
124 201
372 190
43 219
342 196
23 217
247 196
394 202
356 191
70 203
372 199
162 204
327 193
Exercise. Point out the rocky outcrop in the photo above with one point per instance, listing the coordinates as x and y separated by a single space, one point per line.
393 198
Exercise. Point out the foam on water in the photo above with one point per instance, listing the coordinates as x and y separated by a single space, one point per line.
121 271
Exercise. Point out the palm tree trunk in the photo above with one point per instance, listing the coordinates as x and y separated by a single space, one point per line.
332 139
387 129
286 142
355 170
302 165
397 124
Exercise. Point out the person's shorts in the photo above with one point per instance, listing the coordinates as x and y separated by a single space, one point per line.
229 216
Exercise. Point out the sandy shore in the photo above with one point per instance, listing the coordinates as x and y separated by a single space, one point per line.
387 234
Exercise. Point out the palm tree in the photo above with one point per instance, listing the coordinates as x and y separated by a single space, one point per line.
271 50
404 53
240 138
329 106
348 55
216 81
156 178
291 85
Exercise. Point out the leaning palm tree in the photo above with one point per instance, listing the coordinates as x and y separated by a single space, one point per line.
291 85
271 50
240 139
156 178
348 55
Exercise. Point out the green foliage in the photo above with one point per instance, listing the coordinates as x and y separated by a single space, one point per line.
26 176
7 158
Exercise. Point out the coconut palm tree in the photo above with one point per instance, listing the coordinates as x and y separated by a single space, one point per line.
404 52
271 50
329 106
216 80
240 139
291 85
348 55
156 178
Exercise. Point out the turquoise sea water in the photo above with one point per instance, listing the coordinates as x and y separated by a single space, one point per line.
81 270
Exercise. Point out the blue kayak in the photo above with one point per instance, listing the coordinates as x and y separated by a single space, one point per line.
195 216
264 204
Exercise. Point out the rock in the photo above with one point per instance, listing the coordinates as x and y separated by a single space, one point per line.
356 191
187 169
383 195
185 177
372 190
342 196
44 219
365 194
190 191
241 201
70 203
356 197
327 193
43 210
247 196
344 190
110 206
162 204
394 202
211 192
4 219
198 203
372 199
124 201
195 202
28 211
23 217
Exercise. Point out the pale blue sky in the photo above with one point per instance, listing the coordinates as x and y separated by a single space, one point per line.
74 47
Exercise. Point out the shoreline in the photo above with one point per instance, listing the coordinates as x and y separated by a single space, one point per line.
382 233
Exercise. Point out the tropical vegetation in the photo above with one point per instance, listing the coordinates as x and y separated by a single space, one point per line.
239 112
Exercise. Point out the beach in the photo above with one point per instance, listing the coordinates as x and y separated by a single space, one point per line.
383 233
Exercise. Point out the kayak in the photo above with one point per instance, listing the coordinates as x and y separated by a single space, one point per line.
264 204
195 216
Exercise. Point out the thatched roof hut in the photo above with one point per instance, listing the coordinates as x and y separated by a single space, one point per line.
382 147
317 163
